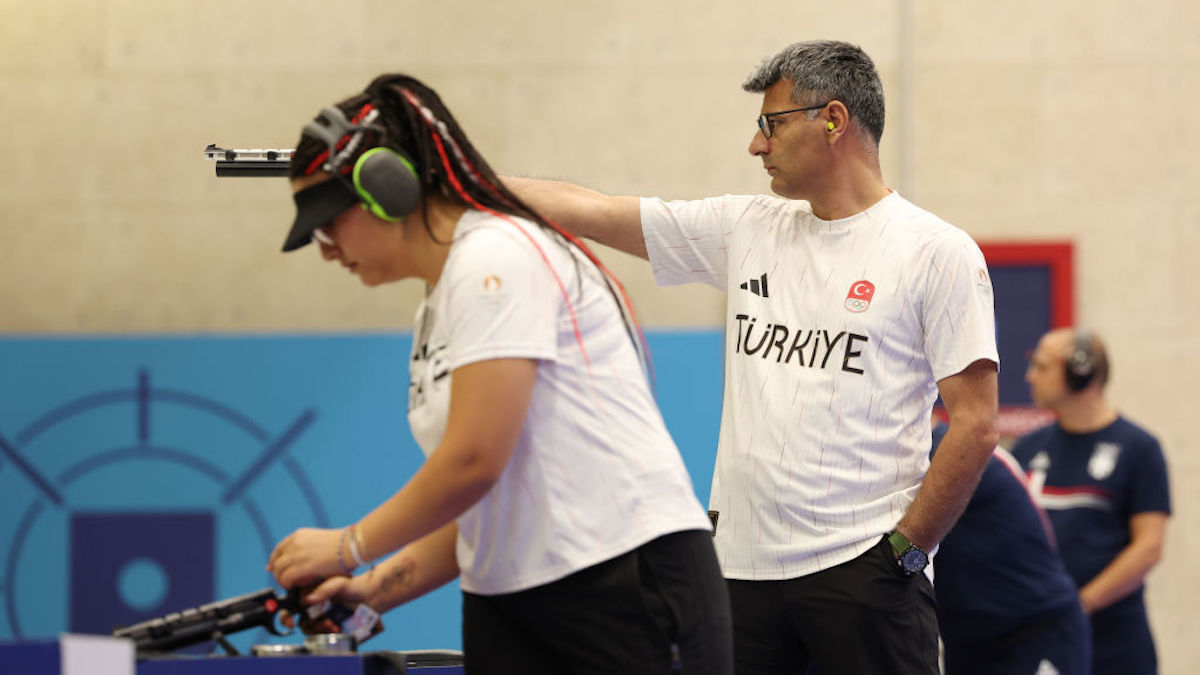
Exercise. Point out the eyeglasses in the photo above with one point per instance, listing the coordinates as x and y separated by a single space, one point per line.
323 236
764 120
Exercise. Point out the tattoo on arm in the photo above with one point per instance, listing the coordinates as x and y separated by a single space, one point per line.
401 576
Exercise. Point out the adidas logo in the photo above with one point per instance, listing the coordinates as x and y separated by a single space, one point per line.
756 286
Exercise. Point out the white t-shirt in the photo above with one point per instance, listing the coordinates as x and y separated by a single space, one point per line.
594 473
836 335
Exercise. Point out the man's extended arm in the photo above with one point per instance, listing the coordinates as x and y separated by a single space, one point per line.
971 399
613 221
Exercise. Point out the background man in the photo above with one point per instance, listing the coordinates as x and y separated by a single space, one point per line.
1103 480
1005 602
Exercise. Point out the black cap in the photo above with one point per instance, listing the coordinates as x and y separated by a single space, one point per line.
317 206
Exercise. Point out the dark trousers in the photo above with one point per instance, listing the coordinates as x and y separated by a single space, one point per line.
660 608
862 617
1060 639
1122 643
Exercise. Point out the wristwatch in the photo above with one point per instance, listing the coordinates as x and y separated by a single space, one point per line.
910 557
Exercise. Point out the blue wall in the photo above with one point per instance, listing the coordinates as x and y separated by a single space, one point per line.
140 476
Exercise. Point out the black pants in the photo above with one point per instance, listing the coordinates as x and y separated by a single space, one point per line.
1122 643
1060 639
862 617
660 608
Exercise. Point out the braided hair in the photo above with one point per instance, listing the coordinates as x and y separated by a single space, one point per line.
413 120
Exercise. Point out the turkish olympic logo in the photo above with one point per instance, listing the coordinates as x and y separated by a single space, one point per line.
859 297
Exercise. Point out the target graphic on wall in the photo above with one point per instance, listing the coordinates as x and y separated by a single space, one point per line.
162 498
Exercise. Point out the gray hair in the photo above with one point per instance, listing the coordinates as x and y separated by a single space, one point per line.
823 70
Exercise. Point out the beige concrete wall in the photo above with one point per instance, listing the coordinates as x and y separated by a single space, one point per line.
1024 119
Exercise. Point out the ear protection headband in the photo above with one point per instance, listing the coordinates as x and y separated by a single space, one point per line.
383 178
1081 362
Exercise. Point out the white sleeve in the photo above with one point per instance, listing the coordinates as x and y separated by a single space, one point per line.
687 241
959 315
502 301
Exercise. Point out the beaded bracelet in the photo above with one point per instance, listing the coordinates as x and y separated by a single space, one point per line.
348 569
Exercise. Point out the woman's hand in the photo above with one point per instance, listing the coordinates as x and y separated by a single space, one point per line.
347 591
310 554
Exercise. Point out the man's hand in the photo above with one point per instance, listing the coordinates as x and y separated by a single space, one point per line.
613 221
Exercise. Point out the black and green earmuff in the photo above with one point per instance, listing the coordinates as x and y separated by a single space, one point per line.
386 182
383 178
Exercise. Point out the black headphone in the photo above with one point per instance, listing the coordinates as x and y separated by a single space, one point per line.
384 179
1080 367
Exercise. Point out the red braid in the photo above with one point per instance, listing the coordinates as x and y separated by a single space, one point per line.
482 180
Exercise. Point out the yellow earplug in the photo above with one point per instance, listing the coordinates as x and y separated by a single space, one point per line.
830 125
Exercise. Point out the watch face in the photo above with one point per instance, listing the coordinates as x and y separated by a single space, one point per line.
913 560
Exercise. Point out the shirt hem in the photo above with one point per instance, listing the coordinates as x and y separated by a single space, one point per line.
557 573
808 566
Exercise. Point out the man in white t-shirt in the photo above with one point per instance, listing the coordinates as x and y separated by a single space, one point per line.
849 311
